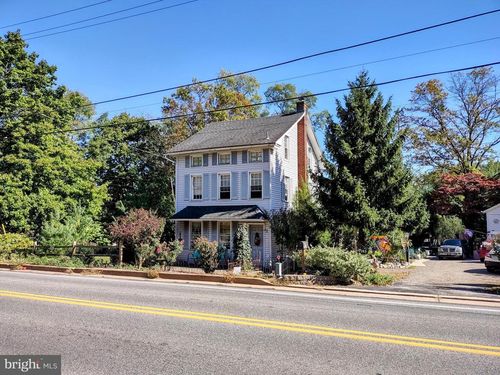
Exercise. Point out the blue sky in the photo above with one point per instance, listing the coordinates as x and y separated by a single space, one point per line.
172 46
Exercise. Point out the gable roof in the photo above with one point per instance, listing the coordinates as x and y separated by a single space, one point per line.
250 132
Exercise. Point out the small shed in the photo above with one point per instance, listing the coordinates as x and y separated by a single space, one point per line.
493 219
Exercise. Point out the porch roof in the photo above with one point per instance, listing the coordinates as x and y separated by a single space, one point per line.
220 213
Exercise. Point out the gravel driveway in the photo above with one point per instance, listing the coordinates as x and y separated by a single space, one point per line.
449 277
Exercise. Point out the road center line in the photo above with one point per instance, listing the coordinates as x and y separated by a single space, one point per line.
270 324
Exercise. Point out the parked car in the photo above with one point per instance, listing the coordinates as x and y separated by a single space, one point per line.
452 249
484 249
429 247
492 259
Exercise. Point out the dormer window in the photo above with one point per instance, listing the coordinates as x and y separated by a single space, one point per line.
224 158
287 147
196 160
255 156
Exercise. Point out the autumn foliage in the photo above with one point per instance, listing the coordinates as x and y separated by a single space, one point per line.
465 195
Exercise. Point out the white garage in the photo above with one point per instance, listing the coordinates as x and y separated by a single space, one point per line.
493 219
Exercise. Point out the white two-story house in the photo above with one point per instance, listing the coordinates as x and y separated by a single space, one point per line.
235 171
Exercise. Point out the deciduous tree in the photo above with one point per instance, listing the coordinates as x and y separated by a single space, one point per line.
456 126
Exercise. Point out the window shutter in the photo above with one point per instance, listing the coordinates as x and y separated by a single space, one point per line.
215 188
244 156
266 185
244 185
234 157
283 190
186 161
186 187
205 160
214 158
265 155
234 181
206 182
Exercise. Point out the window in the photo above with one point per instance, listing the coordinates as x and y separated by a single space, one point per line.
287 147
286 189
196 160
225 234
255 185
255 156
225 158
224 186
195 230
197 187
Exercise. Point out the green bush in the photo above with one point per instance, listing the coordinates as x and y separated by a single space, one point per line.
207 250
166 253
59 261
375 278
14 241
344 266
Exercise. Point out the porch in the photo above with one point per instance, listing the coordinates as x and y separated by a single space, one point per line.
219 223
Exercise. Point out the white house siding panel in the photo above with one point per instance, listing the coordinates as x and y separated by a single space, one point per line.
284 167
181 171
493 220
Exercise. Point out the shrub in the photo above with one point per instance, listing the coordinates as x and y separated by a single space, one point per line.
375 278
167 253
344 266
242 247
14 241
141 230
75 226
207 251
153 274
59 261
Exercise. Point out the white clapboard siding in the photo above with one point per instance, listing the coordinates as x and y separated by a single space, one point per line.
235 170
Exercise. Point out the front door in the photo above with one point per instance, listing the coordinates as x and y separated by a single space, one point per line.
255 232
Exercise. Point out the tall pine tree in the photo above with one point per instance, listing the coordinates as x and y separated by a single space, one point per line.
366 186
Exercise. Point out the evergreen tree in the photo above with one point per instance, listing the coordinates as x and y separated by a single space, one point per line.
242 247
41 171
366 185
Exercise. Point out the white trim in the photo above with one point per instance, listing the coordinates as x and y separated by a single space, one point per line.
230 233
191 193
261 150
218 185
226 153
190 232
239 220
261 171
217 149
195 156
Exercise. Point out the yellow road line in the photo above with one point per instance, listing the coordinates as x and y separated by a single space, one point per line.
284 326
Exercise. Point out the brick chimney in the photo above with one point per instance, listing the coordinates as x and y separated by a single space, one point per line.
302 144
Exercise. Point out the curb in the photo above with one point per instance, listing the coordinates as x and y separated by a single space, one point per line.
249 281
144 274
437 297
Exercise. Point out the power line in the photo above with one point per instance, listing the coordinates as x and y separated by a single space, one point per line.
290 61
339 68
55 14
113 20
94 18
173 117
381 60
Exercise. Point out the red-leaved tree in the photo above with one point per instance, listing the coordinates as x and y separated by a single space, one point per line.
139 230
466 195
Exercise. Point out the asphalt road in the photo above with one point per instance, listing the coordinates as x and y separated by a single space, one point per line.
117 326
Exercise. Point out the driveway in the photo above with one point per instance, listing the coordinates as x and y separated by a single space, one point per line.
449 277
